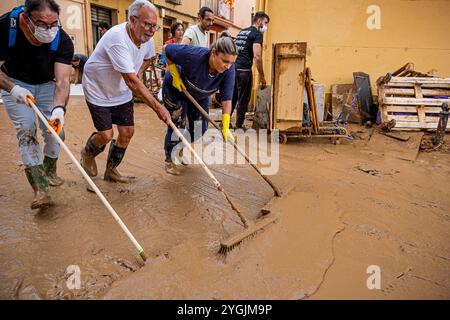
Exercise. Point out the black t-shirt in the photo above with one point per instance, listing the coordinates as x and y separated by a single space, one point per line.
28 63
244 42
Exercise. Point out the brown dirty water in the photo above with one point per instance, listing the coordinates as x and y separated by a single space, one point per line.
348 209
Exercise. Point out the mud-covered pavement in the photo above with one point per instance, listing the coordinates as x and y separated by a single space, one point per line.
349 208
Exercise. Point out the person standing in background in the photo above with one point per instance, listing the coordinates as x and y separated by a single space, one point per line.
177 32
78 62
249 43
103 27
197 35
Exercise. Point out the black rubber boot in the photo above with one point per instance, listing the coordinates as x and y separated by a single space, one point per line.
50 172
88 155
115 156
38 181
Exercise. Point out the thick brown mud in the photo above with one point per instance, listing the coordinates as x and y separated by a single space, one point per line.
350 207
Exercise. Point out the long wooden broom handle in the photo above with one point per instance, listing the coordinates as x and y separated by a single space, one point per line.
206 115
243 218
90 182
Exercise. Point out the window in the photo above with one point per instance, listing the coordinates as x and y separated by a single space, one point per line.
167 23
98 15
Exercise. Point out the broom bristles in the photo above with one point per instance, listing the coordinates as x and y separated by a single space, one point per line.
233 241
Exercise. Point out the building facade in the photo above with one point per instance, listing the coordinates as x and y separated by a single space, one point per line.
374 37
81 18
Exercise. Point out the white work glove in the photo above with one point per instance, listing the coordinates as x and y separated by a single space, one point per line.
21 94
58 113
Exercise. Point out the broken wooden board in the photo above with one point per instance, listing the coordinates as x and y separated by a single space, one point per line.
380 144
401 136
289 62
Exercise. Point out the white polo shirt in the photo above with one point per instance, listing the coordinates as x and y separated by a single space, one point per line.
115 53
198 38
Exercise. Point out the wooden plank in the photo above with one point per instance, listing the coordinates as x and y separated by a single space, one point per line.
396 136
421 113
288 83
384 116
418 91
311 100
411 92
419 95
289 96
288 126
431 119
384 146
424 85
412 118
421 80
381 91
412 101
417 125
411 109
406 67
290 56
274 88
404 118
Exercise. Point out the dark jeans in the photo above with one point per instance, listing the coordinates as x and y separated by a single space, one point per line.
241 95
179 107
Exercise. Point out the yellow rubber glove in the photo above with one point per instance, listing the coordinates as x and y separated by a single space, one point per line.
226 126
176 82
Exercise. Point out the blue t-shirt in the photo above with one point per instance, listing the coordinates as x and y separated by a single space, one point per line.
193 65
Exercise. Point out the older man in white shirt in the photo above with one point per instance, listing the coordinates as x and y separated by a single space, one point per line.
109 82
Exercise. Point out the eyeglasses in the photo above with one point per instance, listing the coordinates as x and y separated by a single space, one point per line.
41 26
148 26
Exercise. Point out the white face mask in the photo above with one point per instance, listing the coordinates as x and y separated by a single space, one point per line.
262 28
44 35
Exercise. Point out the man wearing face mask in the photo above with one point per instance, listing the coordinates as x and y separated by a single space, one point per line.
110 79
249 43
36 55
197 35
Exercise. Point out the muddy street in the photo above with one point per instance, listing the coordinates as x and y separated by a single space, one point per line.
349 206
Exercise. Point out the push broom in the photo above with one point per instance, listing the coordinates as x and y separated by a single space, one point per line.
276 191
250 227
89 181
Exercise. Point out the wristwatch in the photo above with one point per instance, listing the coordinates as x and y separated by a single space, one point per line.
62 107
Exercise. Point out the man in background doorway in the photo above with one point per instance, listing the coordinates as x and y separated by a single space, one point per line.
103 27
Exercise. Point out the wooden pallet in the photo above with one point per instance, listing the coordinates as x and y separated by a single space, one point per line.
413 102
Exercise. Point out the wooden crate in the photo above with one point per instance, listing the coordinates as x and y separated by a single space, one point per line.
413 102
